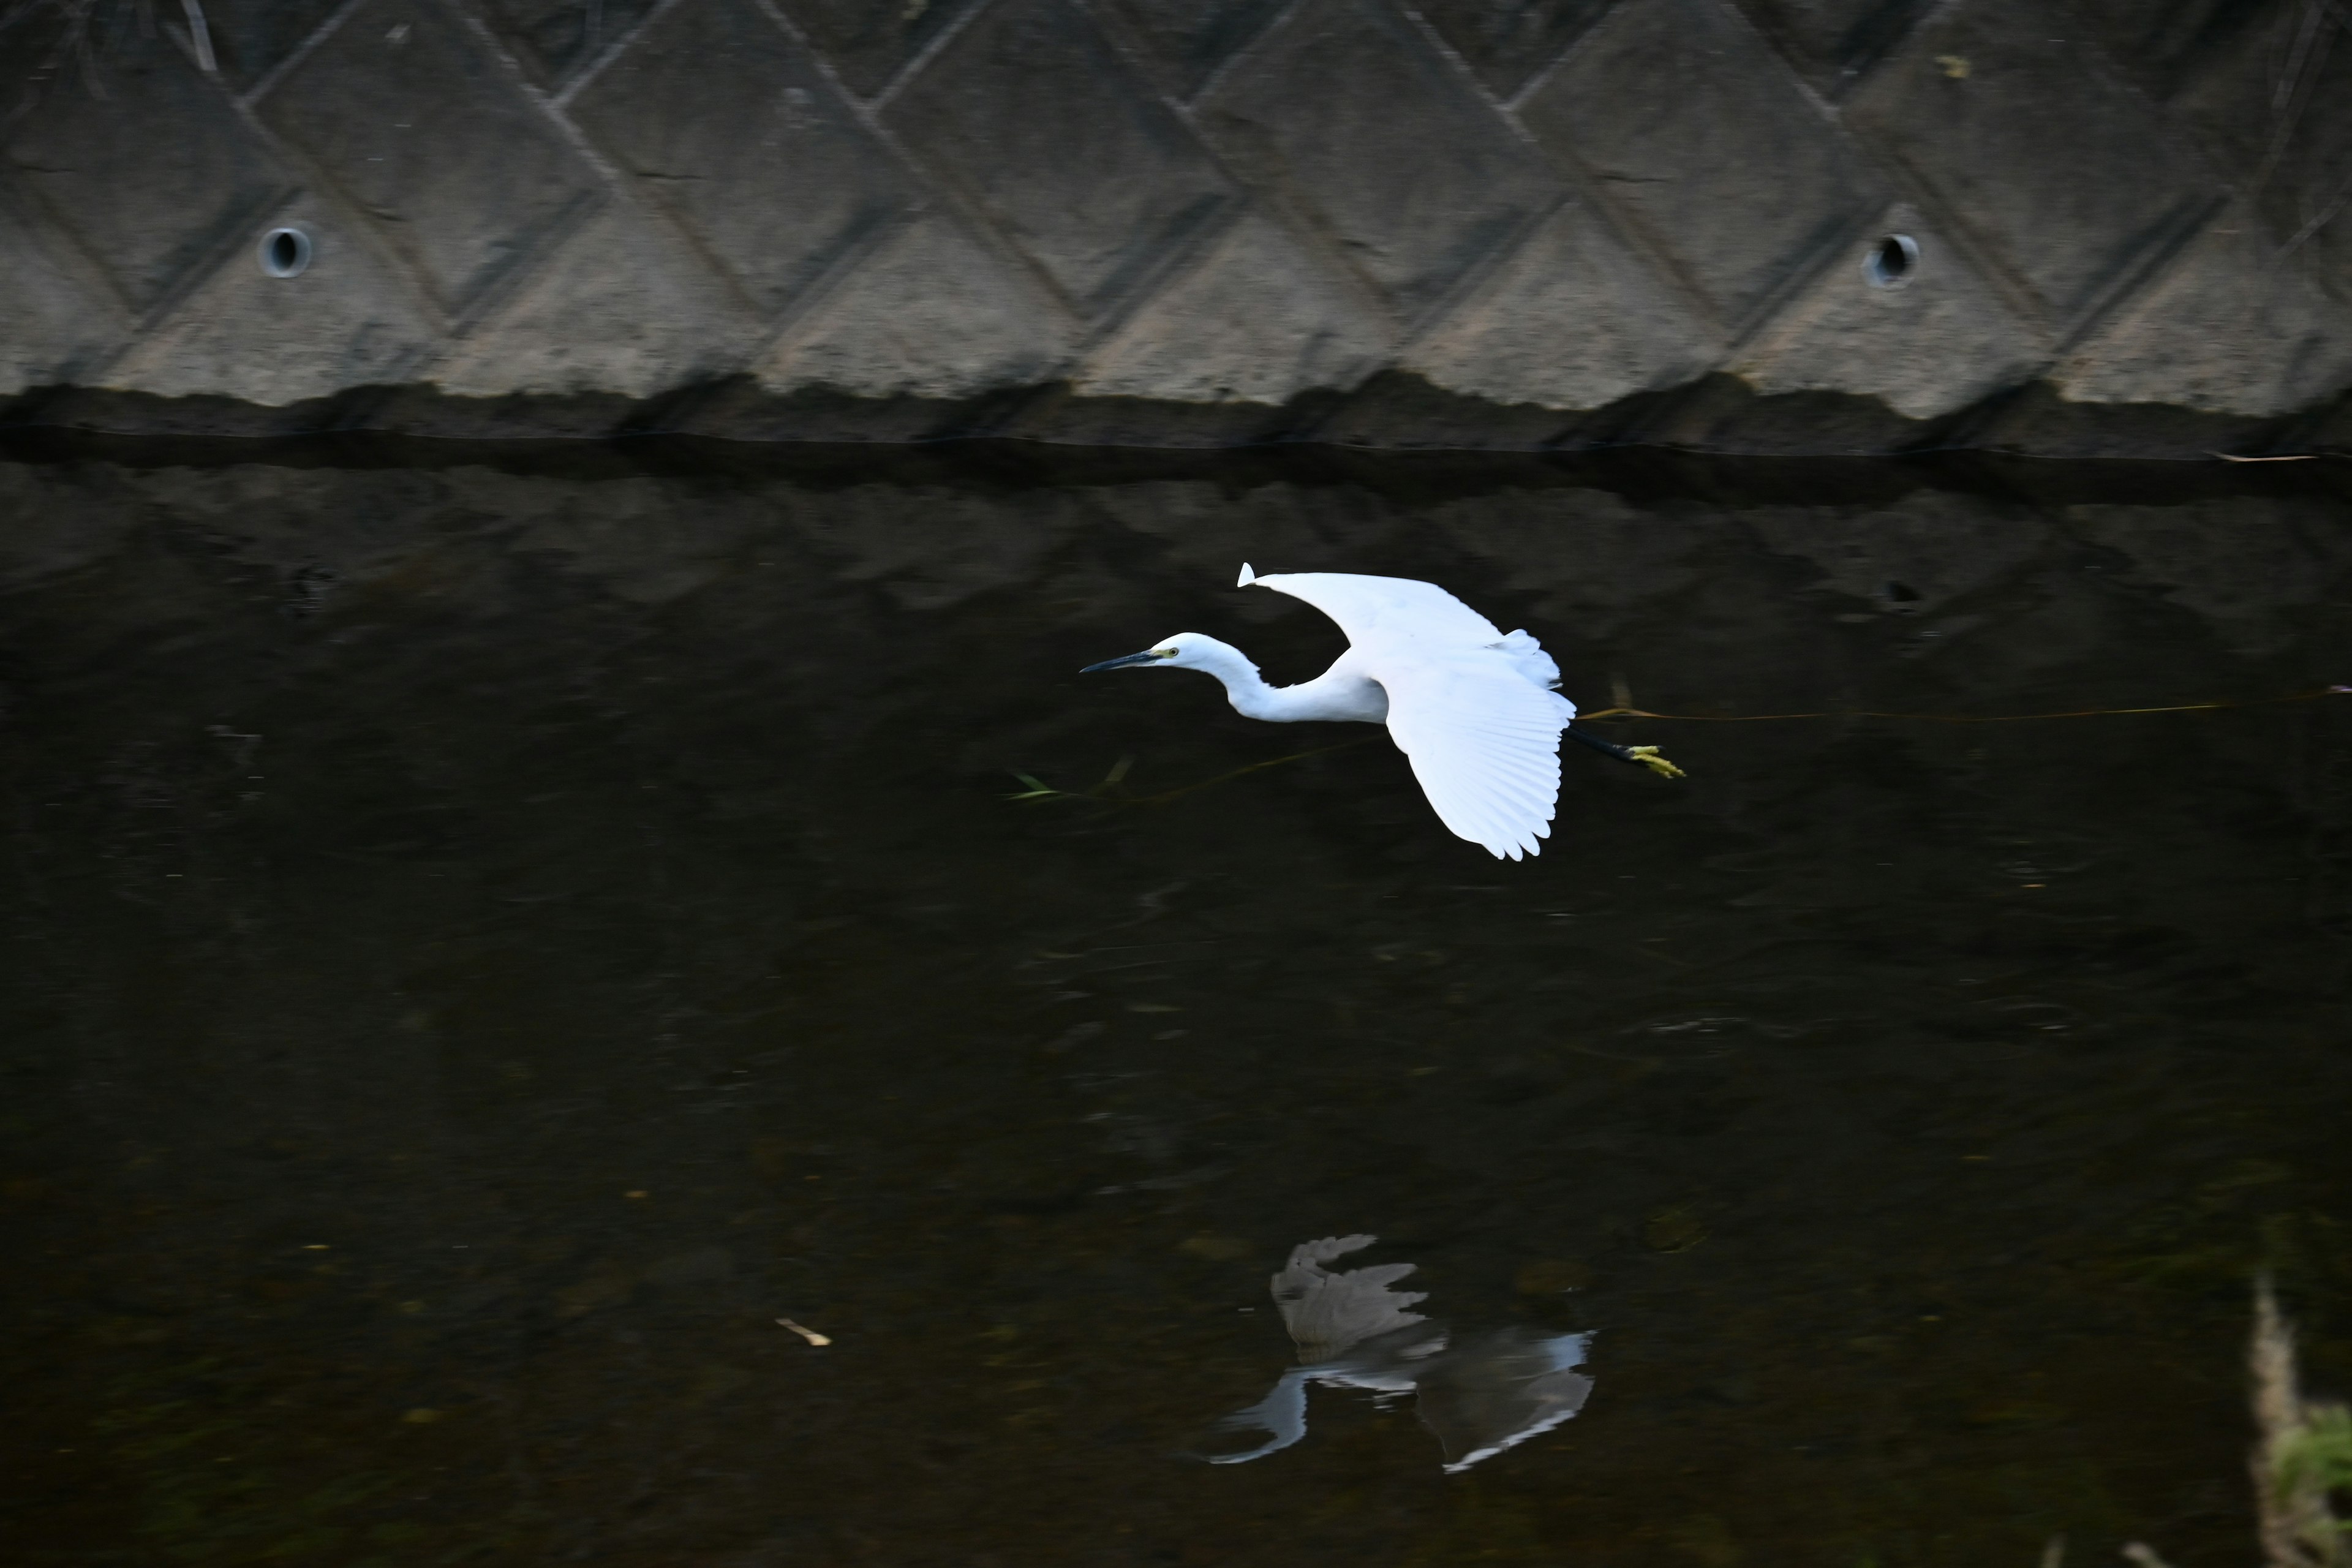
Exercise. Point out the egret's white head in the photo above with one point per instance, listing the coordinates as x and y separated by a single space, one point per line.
1185 650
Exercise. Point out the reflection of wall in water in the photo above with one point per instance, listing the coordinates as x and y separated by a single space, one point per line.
627 894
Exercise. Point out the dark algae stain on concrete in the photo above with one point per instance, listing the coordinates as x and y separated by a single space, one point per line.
487 947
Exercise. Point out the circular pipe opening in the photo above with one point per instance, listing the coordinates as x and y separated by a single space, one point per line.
285 252
1889 263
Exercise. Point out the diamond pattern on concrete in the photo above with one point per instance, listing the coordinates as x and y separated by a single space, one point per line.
1415 177
933 314
345 321
1723 160
1933 346
870 41
2228 92
2307 201
731 127
2221 329
624 308
1835 42
552 39
428 133
1056 200
1259 320
153 179
2160 46
1507 41
1192 38
2292 147
1031 111
1573 319
53 327
253 38
2087 182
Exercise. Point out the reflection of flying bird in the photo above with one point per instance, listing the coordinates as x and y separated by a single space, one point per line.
1480 1396
1473 709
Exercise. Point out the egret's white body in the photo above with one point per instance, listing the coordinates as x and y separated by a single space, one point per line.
1473 709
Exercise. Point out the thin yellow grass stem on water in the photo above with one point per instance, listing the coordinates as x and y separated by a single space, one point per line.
1039 790
1629 712
1166 795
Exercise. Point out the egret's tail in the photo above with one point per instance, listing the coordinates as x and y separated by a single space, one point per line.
1248 576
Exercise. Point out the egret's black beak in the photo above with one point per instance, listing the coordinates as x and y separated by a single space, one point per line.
1130 662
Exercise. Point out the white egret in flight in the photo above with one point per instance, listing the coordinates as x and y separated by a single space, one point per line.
1474 710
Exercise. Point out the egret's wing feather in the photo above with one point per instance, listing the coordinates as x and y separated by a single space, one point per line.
1483 742
1376 610
1467 704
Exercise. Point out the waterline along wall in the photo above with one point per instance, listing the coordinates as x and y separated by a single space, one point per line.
2102 227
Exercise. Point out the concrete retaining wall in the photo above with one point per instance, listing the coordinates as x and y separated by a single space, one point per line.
1481 223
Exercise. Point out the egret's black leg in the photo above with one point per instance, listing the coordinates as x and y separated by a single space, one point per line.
1608 748
1641 756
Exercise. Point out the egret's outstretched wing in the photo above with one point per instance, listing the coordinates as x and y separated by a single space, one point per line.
1374 610
1467 704
1483 742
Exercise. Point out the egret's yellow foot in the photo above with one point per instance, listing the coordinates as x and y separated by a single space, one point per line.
1648 757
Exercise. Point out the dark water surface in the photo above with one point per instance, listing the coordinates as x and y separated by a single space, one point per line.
485 946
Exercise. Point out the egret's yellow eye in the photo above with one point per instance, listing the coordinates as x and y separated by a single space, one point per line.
1165 652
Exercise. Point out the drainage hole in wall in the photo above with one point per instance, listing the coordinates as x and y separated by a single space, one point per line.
285 252
1890 263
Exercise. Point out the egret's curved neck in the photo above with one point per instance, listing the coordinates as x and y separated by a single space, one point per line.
1330 696
1252 698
